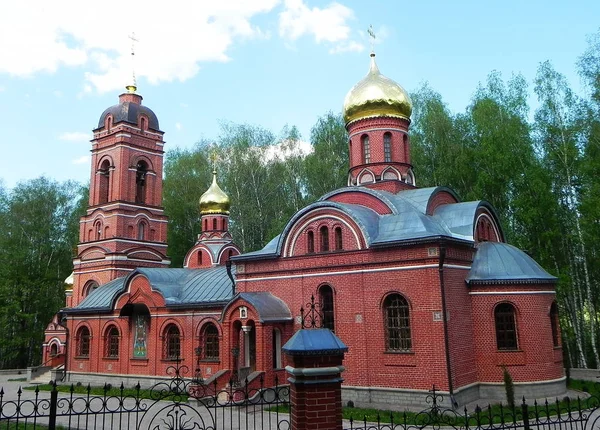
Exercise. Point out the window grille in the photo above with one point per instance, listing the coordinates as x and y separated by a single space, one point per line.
112 343
387 147
172 343
397 321
324 239
83 342
338 238
211 342
554 324
366 149
506 329
326 299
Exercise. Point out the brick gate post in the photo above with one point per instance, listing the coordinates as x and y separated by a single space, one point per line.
315 365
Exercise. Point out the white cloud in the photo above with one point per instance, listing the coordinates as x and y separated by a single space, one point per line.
75 136
81 160
178 126
2 89
175 37
57 93
326 25
350 46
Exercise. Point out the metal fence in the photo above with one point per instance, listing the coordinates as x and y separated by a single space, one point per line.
178 403
564 414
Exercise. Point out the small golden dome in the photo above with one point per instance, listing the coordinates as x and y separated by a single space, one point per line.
375 95
214 200
69 282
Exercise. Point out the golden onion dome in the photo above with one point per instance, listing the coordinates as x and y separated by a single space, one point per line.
214 200
69 281
376 95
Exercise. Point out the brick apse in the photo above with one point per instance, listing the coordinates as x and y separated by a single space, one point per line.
420 286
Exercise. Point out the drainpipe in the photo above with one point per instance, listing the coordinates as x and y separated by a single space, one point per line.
62 318
445 320
228 267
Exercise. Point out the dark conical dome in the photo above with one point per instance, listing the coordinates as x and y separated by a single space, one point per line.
129 110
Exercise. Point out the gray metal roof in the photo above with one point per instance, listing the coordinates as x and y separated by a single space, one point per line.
407 222
179 287
459 218
269 307
102 296
129 112
497 262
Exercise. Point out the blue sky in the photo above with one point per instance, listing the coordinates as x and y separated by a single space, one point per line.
263 62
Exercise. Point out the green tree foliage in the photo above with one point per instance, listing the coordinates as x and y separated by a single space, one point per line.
40 221
187 177
327 166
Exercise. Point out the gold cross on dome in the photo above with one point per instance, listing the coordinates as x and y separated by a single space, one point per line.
214 157
372 36
133 40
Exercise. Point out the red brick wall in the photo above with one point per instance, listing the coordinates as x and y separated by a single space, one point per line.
189 322
536 358
375 128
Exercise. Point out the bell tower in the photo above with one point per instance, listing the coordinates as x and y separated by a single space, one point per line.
125 226
377 114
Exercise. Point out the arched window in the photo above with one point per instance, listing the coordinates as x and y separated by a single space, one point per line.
199 258
387 147
405 144
141 230
366 148
88 288
172 343
98 229
143 123
214 223
111 343
506 327
326 300
276 349
397 324
205 225
338 238
310 242
554 324
210 338
83 342
140 182
109 122
324 232
54 350
104 182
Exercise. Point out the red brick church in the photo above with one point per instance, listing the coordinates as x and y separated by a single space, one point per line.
420 286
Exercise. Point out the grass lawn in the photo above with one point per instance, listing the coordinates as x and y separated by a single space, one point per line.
111 392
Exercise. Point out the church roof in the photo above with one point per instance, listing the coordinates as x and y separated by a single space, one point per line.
408 221
179 287
268 307
497 262
129 112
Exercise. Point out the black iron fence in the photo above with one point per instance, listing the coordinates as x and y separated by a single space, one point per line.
178 403
564 414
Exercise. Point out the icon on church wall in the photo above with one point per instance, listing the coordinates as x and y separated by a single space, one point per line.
140 341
